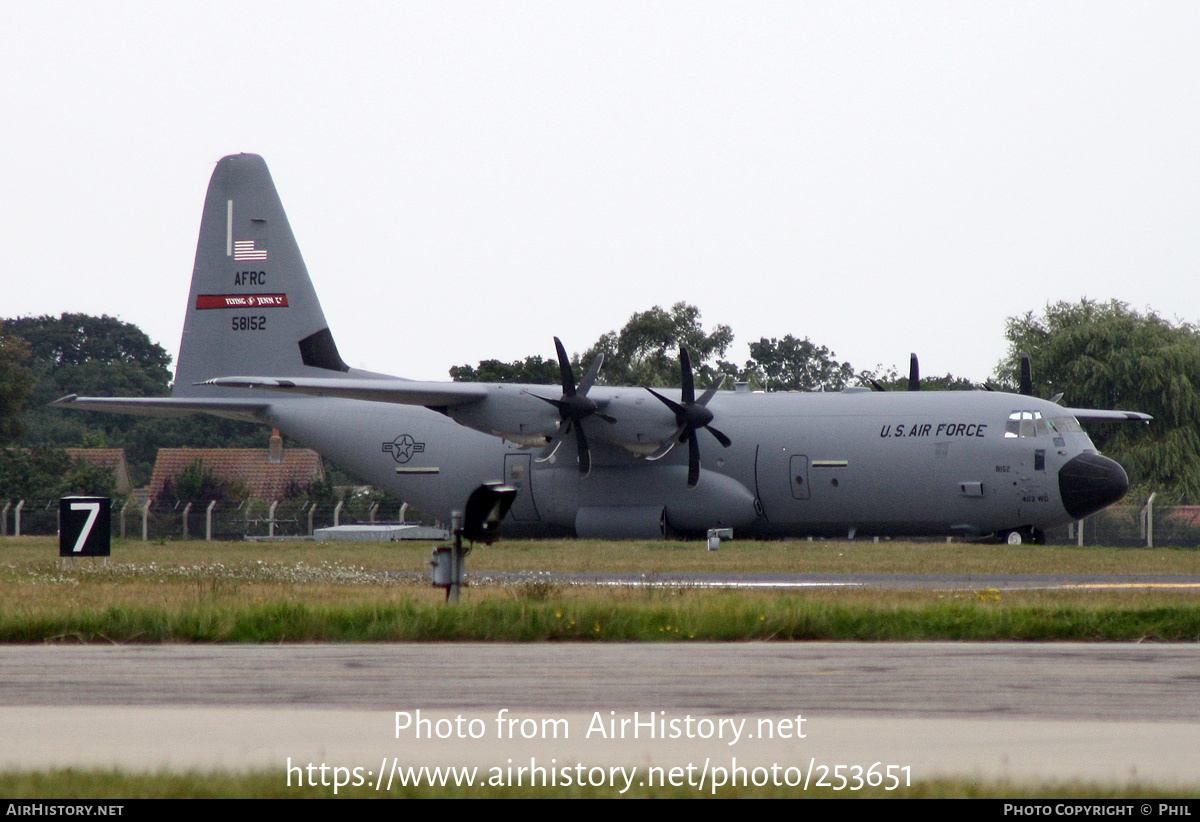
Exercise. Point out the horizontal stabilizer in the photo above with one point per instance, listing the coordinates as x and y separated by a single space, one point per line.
403 392
233 409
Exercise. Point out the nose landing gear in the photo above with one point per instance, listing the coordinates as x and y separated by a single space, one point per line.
1023 536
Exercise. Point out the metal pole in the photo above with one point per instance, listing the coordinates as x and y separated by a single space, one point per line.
452 590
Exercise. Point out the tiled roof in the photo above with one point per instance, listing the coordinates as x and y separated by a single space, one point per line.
249 466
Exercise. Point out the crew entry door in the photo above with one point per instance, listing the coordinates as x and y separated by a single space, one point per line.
781 477
517 469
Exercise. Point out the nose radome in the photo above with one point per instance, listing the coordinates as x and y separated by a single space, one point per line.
1090 482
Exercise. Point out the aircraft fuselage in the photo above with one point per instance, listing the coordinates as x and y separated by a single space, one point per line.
801 464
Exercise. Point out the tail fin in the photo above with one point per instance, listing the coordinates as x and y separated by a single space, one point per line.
252 307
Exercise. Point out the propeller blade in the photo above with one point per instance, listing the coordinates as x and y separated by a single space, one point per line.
564 369
585 384
555 441
585 454
674 406
559 404
693 459
721 438
712 390
688 385
668 444
914 373
1026 375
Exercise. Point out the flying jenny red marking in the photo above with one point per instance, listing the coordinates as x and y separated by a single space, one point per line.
206 301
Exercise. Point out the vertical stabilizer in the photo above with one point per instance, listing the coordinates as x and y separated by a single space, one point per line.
252 308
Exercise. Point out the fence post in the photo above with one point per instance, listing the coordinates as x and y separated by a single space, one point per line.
1147 520
4 518
208 521
17 518
337 513
271 518
1079 535
312 509
187 509
146 522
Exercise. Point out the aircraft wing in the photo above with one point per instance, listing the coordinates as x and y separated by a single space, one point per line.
234 409
404 392
1091 415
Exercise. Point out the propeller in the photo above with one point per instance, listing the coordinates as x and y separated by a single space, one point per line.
573 408
914 376
690 415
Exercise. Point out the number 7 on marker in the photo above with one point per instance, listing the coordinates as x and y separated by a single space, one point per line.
93 509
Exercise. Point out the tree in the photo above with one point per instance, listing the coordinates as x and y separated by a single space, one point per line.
790 364
1106 355
198 483
892 380
532 370
16 383
104 356
90 356
49 473
646 350
96 356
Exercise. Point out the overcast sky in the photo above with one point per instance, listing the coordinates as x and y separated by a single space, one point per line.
467 180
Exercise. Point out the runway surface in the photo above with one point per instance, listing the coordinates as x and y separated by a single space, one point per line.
1041 713
901 582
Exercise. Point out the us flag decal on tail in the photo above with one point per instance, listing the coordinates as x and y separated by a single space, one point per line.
249 249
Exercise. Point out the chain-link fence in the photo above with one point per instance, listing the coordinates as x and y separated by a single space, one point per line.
1118 525
1137 525
254 519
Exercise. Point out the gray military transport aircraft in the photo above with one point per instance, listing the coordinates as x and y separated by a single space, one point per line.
256 347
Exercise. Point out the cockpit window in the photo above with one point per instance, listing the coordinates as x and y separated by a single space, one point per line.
1021 424
1066 425
1031 424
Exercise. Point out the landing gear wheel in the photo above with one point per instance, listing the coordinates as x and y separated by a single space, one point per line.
1024 536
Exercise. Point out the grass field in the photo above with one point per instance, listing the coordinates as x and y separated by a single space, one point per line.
346 592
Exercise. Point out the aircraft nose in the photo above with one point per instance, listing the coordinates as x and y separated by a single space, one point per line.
1090 482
